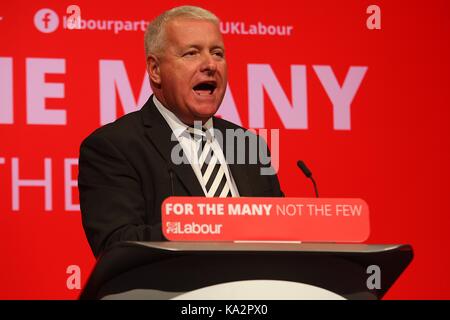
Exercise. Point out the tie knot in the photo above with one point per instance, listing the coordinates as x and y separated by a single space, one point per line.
196 132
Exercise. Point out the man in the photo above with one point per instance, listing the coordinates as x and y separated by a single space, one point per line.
127 168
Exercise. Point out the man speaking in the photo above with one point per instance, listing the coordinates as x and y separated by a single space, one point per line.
127 168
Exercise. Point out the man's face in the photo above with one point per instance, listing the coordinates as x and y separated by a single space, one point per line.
193 70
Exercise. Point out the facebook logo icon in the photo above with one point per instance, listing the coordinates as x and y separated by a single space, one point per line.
46 20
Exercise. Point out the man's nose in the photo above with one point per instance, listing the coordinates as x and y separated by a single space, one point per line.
209 65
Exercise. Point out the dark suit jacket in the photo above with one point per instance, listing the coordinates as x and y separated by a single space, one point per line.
126 172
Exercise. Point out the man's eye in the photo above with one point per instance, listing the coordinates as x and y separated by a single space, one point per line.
190 53
219 54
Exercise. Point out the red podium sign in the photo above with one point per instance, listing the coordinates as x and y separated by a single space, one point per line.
265 219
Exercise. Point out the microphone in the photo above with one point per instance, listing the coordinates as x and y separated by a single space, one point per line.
171 181
308 174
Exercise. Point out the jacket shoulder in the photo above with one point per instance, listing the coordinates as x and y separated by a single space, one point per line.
122 129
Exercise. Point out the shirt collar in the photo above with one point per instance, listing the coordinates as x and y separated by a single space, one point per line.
179 127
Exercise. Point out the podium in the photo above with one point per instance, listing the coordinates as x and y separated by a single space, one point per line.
226 270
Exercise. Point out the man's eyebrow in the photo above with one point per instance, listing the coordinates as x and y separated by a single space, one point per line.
221 47
189 46
198 47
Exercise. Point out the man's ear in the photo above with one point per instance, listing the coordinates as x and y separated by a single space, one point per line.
153 69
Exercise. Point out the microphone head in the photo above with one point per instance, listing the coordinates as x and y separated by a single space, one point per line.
304 168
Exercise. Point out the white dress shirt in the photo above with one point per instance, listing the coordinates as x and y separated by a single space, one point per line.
190 145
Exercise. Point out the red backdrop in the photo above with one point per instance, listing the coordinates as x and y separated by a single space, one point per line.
393 152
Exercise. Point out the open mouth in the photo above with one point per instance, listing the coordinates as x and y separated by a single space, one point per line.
205 88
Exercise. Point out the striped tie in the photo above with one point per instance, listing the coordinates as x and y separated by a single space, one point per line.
213 175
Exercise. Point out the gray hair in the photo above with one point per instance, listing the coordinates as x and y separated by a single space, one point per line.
154 35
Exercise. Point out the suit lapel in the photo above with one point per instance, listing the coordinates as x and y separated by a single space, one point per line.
159 133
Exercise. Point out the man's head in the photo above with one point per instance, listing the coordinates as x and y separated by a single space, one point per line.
186 62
